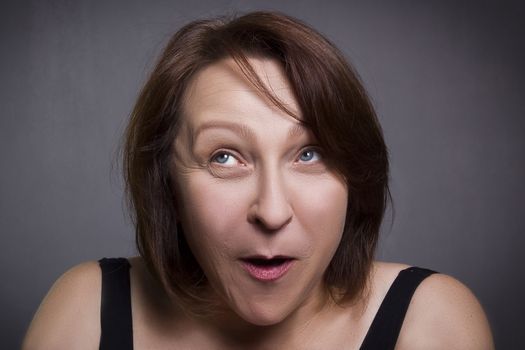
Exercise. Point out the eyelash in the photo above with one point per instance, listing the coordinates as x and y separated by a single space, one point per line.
222 153
312 149
231 154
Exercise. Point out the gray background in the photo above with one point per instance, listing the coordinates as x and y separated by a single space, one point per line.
446 78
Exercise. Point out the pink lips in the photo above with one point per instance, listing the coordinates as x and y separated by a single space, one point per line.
267 270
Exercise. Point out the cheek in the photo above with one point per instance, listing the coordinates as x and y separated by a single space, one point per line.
326 194
212 210
326 201
321 210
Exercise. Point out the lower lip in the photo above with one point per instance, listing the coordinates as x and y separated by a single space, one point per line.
267 273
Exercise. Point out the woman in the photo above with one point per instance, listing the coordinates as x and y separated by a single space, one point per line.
258 177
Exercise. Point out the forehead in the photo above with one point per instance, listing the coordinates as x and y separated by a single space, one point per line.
221 90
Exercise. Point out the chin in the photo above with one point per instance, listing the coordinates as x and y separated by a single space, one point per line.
263 315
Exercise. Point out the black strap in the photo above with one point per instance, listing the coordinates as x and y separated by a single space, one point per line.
115 309
117 326
387 323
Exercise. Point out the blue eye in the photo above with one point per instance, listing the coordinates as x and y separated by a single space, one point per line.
221 158
225 158
309 155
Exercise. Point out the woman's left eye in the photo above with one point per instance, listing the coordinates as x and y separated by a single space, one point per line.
309 155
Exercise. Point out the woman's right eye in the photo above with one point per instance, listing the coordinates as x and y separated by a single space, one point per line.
225 159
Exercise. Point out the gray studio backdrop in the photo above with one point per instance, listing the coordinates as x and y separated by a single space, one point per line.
446 78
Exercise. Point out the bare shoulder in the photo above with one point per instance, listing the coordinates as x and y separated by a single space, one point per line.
69 315
382 277
444 314
387 271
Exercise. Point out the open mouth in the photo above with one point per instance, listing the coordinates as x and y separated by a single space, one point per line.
266 262
267 270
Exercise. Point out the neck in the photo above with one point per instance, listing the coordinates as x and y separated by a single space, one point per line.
231 331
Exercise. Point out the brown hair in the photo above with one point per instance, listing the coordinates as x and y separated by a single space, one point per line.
333 103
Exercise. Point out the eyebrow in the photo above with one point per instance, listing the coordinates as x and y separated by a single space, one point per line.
296 130
243 130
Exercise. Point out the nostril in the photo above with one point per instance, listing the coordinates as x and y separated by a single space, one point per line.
271 209
271 226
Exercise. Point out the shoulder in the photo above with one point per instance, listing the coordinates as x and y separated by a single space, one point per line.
444 313
69 315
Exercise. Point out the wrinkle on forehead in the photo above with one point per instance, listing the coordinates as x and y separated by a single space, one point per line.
269 72
221 94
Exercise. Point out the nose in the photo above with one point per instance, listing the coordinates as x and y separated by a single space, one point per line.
271 209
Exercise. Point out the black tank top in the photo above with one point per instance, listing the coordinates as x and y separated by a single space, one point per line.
117 326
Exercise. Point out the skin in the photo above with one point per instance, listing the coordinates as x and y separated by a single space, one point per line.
249 182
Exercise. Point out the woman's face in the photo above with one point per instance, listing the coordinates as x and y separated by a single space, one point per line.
261 212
